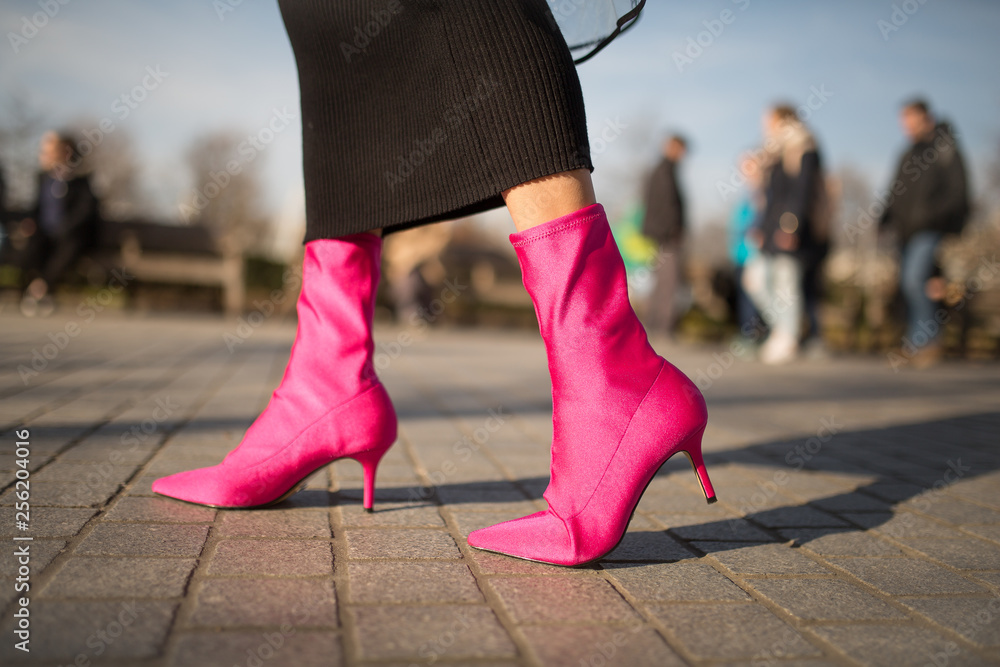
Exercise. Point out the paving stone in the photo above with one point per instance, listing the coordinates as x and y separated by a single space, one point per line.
142 486
65 494
265 603
274 523
976 619
903 645
158 509
687 581
582 600
9 462
568 645
839 543
893 492
761 559
47 521
91 474
409 543
907 576
352 493
398 515
274 648
272 558
105 454
648 546
482 493
148 539
825 599
873 475
693 527
412 581
98 578
41 553
986 532
967 554
749 631
902 525
955 511
66 630
493 563
990 578
430 633
852 502
804 516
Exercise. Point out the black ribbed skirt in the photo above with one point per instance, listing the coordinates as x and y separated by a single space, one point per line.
415 111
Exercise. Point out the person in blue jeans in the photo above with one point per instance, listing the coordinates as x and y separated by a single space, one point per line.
929 199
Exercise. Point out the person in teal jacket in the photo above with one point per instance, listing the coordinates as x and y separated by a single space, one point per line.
741 249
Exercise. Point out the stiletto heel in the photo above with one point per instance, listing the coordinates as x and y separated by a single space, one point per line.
693 450
369 463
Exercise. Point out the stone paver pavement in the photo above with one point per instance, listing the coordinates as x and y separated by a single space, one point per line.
858 522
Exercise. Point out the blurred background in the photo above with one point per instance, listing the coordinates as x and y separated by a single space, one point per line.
185 118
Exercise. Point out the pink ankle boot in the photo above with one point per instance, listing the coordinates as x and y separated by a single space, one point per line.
329 405
619 410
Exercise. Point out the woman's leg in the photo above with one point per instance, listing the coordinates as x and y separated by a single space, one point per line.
549 197
619 409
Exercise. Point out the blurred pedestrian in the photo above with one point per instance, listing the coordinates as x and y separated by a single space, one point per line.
411 265
664 222
930 199
742 249
62 225
792 180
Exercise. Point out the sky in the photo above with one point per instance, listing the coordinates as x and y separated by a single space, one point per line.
706 69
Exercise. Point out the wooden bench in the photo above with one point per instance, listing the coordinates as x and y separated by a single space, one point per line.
153 252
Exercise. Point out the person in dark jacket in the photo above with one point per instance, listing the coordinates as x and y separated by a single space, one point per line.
784 231
62 225
664 222
930 199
